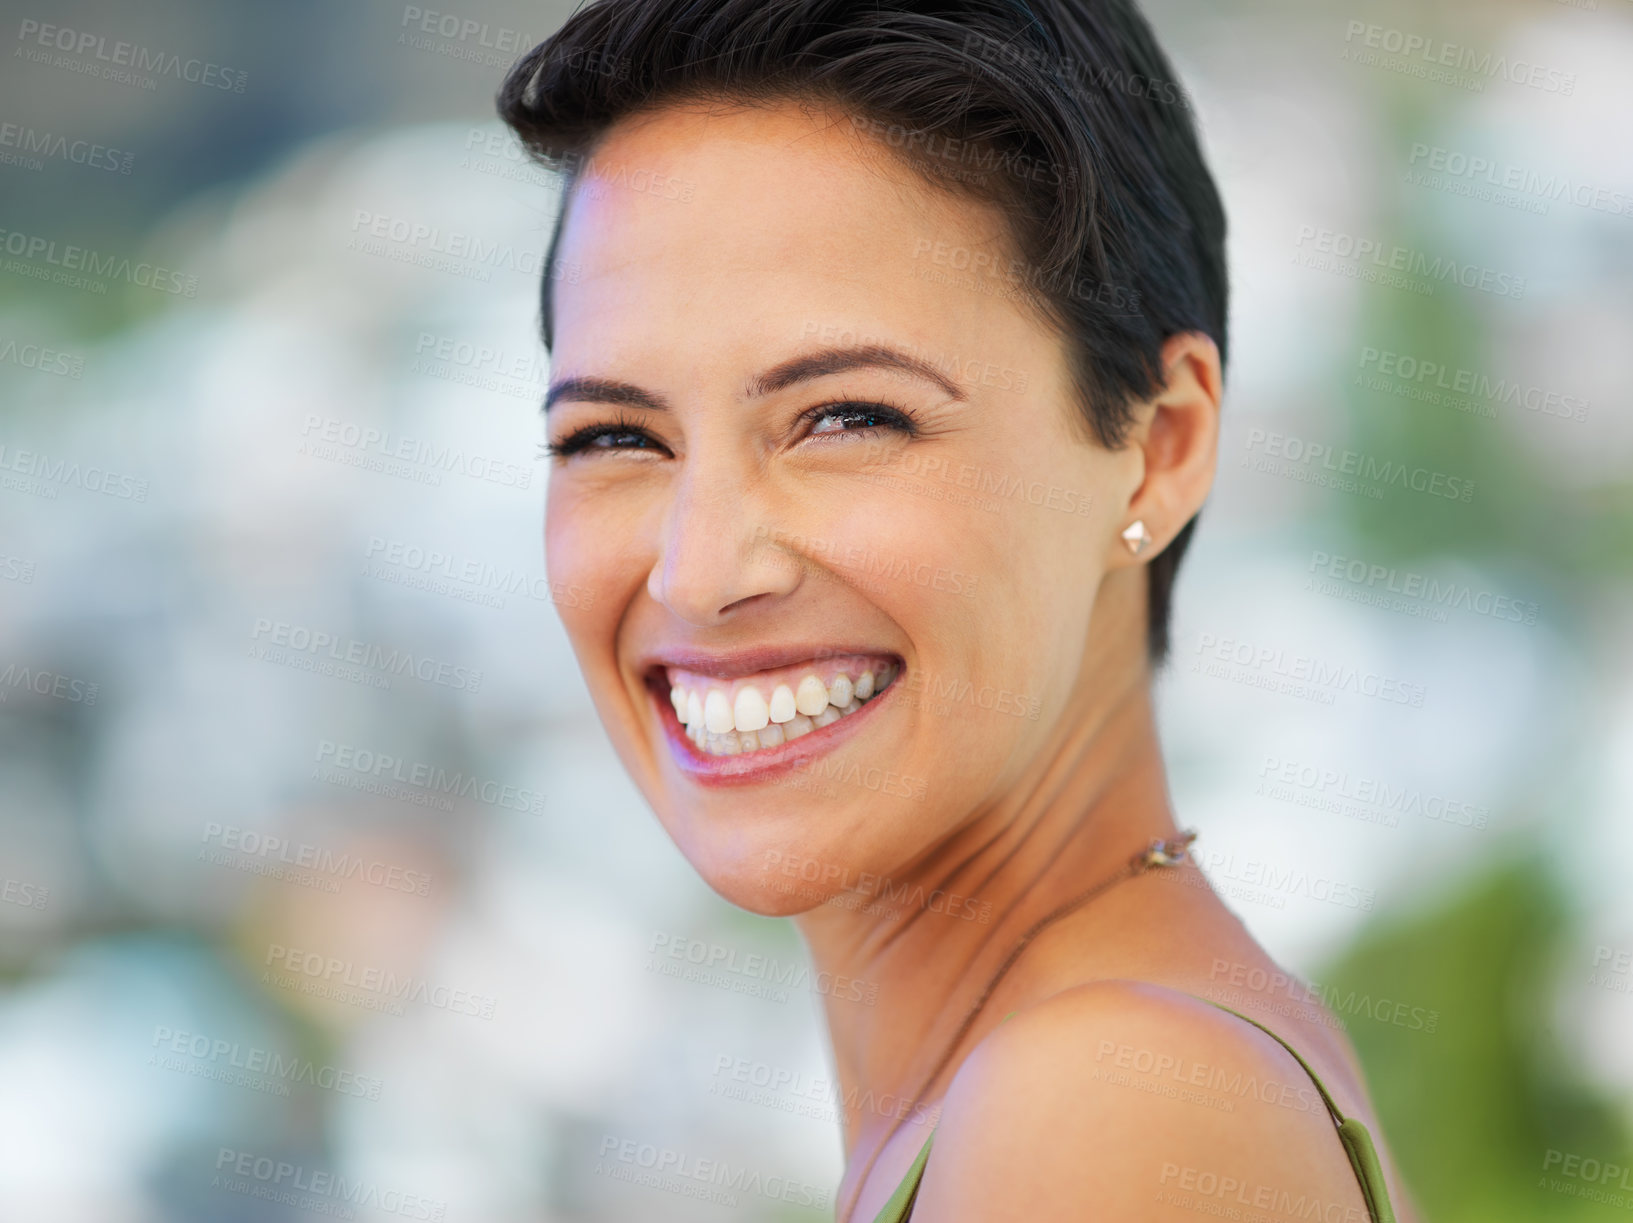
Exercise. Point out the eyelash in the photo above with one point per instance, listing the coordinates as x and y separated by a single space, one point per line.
892 416
585 438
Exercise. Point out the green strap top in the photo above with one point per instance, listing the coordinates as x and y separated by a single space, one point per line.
1351 1132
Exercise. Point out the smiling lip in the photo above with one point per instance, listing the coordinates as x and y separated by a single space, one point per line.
738 663
766 764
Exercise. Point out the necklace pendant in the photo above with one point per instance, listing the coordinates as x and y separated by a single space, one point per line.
1170 852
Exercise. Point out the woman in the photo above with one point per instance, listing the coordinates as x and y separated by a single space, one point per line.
887 345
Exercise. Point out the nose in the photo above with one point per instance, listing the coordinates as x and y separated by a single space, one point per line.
718 556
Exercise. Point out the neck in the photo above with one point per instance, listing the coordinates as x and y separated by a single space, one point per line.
1095 797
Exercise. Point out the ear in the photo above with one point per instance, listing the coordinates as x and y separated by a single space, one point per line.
1174 445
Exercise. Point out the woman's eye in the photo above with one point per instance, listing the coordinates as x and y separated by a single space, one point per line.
856 418
602 438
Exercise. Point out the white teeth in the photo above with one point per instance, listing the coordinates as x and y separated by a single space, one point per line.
782 704
811 697
723 724
717 713
750 713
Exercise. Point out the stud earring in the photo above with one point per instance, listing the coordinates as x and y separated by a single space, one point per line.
1136 536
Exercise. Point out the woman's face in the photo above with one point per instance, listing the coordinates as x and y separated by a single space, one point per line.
813 441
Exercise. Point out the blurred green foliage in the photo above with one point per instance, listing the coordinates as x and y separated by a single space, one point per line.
1473 1109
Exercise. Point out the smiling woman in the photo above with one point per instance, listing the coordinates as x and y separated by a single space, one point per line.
887 347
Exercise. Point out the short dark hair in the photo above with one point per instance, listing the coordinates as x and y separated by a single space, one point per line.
1068 110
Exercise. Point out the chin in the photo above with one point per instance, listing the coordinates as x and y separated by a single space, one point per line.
786 858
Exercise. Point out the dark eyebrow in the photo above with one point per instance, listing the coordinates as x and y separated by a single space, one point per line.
604 390
778 378
838 360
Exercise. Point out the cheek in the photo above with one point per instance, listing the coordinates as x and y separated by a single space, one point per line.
593 557
909 545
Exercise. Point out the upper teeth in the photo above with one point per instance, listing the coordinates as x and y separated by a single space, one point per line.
725 724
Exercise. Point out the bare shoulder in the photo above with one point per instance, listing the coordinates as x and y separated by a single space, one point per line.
1142 1102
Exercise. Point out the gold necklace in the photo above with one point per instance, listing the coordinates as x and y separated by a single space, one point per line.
1160 853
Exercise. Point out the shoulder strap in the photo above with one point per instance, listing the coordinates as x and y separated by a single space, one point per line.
900 1205
1363 1157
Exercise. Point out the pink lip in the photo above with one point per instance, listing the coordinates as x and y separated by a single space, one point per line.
767 764
734 664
